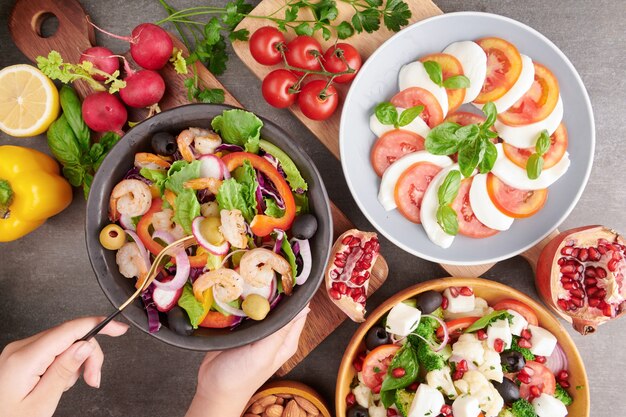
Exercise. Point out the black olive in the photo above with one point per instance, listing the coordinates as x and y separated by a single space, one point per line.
508 390
164 143
513 360
179 321
428 301
375 337
304 227
358 411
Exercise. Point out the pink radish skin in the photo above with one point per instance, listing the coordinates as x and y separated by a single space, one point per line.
102 58
143 89
103 112
212 167
215 250
165 300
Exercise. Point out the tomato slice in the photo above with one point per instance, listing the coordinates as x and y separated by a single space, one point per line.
519 156
514 202
411 186
464 118
392 146
537 103
376 363
504 66
541 377
521 308
416 96
469 225
217 320
456 327
450 66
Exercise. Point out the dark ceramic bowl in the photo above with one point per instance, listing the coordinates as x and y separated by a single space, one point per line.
118 289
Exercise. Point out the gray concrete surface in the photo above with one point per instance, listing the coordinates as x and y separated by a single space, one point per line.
45 278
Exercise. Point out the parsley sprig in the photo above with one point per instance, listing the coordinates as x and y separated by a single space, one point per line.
534 165
446 215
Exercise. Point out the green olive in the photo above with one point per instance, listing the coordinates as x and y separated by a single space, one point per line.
112 237
256 306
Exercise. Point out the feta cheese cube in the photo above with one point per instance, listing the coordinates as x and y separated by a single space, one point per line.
547 406
403 319
465 406
543 342
468 347
441 379
427 402
377 411
459 304
499 329
518 323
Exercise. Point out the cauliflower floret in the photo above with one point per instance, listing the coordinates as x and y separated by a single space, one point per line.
468 347
491 367
475 384
377 411
363 395
441 380
481 308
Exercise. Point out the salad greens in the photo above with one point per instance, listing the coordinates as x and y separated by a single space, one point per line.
294 178
486 320
193 307
181 172
233 195
406 359
186 208
239 127
285 247
272 209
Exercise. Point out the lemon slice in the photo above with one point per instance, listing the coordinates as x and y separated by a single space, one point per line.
29 101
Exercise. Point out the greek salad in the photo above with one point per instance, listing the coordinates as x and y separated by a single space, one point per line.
461 172
244 201
452 354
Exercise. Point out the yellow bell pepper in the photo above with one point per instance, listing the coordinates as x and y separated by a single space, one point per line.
31 190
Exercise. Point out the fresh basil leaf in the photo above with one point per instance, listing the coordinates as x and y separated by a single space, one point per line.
186 208
74 174
534 165
489 134
194 308
456 81
543 143
239 127
73 113
490 113
489 157
87 181
181 172
96 151
468 132
386 113
388 398
442 140
109 140
405 358
408 115
485 321
434 72
469 156
63 143
449 188
447 220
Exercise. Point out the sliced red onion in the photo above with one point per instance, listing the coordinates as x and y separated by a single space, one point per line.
266 291
274 288
228 147
307 260
446 335
557 361
212 166
280 235
236 323
153 314
142 249
218 250
397 340
231 254
275 301
225 306
182 264
126 222
276 163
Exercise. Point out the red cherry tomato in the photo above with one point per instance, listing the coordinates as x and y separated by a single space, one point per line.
410 189
376 363
264 45
304 52
526 311
542 378
336 57
513 202
317 104
276 88
469 225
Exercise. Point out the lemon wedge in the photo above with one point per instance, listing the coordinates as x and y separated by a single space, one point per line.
29 101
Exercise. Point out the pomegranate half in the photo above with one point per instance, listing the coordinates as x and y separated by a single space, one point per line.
580 274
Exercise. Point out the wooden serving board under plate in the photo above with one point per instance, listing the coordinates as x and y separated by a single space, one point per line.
74 35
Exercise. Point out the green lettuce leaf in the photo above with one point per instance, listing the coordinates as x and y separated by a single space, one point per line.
272 209
294 178
186 208
231 197
193 307
157 176
302 204
291 257
239 127
181 172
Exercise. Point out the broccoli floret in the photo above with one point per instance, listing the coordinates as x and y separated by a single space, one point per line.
506 412
528 355
403 401
563 395
422 339
438 313
522 408
429 359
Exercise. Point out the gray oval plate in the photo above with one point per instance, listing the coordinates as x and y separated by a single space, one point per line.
377 81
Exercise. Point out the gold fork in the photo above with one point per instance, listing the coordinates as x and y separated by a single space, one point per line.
180 244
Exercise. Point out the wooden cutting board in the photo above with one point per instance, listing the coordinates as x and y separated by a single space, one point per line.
75 34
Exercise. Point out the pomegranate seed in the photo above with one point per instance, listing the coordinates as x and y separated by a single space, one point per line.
446 410
398 372
562 304
466 291
376 389
601 294
391 412
540 359
482 334
523 378
523 343
462 366
564 384
602 249
572 306
592 290
583 255
612 265
334 294
566 280
590 272
561 261
568 285
593 254
526 334
346 240
444 303
575 252
454 291
350 400
535 391
568 269
577 292
342 288
567 250
593 302
457 375
357 365
362 355
607 310
562 375
413 387
498 345
578 302
590 281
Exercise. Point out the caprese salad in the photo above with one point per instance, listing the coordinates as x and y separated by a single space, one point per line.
459 171
452 354
244 201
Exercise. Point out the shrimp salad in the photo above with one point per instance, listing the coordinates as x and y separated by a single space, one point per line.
243 200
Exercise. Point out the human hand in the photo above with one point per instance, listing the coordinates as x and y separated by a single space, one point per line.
227 380
34 372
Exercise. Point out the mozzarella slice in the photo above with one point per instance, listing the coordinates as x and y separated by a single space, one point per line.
428 211
517 177
418 125
526 136
415 75
521 86
483 207
474 62
390 177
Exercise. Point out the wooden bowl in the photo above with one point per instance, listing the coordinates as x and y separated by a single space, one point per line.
492 292
293 388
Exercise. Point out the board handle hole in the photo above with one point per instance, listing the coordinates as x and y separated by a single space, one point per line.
46 24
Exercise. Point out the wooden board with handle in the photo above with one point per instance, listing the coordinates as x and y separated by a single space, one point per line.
74 35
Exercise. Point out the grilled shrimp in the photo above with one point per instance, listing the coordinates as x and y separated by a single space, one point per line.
131 198
150 161
130 262
227 284
163 221
211 184
204 141
210 209
254 265
234 228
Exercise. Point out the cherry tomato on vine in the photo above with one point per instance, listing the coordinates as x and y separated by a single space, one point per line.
318 102
264 45
304 52
334 63
276 86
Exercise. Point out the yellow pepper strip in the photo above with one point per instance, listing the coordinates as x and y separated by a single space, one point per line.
31 190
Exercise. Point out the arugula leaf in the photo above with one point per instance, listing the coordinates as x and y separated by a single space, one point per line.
446 218
456 81
386 113
486 320
186 208
442 140
534 166
408 115
434 72
239 127
543 143
231 197
294 178
194 308
449 189
181 172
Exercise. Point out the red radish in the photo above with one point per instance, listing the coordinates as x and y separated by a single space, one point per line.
219 250
164 299
103 112
102 58
143 89
212 167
